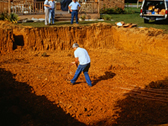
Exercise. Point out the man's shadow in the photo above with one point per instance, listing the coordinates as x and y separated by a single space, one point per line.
108 75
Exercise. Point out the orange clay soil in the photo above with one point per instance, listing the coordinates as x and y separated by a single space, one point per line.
129 71
128 89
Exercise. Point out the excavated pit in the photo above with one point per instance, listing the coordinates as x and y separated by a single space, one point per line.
101 35
129 71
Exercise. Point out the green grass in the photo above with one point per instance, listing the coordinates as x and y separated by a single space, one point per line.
60 23
41 24
136 19
132 9
127 18
140 3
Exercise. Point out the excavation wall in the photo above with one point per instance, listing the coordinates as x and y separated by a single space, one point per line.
138 40
6 40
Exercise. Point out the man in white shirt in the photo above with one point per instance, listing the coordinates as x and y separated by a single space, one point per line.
81 57
74 7
46 9
52 11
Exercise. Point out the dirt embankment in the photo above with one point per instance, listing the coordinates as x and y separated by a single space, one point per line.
101 35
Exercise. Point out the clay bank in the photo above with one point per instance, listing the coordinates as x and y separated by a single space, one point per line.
100 35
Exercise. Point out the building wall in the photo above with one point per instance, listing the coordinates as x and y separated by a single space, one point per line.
132 1
111 3
3 6
91 6
94 6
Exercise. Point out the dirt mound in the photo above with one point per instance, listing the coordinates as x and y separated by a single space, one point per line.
100 24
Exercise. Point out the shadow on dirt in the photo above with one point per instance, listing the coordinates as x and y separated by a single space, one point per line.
20 106
144 107
19 41
108 75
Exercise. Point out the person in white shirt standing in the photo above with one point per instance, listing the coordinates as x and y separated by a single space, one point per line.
46 10
52 11
81 57
74 7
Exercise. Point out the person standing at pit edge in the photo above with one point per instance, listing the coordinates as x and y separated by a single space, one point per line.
52 11
74 7
81 57
46 10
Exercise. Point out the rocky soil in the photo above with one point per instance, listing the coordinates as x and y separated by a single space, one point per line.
129 75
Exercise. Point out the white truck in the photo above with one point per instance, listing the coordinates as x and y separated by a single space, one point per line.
154 10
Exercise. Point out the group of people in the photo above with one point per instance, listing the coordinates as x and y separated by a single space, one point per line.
49 8
82 58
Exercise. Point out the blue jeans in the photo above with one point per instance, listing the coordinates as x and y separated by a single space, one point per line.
74 13
85 69
51 15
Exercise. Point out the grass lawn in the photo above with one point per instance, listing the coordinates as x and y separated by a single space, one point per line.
57 23
127 18
140 3
136 19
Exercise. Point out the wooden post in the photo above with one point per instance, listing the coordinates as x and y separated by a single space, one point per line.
35 7
9 7
1 7
98 6
137 3
32 5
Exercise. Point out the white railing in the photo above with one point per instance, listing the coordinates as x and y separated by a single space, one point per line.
27 7
3 6
22 7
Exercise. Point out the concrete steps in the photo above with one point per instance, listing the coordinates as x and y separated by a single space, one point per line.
62 17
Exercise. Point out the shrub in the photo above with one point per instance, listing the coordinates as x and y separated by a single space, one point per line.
119 10
106 17
83 17
128 11
111 10
12 17
3 16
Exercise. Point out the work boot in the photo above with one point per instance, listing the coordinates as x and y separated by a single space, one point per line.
68 81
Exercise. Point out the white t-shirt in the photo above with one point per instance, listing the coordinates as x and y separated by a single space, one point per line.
74 5
82 56
47 3
52 4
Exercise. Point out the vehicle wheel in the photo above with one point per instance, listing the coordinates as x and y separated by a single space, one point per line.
146 21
